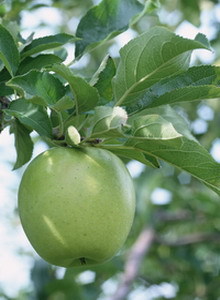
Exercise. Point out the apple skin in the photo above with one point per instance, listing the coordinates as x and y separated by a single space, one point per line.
76 205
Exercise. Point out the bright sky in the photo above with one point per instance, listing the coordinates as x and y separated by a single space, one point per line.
14 268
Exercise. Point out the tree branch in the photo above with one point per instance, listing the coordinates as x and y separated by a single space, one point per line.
190 239
181 215
135 257
4 103
143 244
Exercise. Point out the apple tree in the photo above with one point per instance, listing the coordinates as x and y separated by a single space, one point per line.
140 105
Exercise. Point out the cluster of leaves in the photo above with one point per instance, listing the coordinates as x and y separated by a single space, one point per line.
153 73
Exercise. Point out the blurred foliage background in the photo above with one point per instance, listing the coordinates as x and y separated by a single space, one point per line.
182 261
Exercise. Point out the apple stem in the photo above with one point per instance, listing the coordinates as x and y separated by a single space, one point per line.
82 261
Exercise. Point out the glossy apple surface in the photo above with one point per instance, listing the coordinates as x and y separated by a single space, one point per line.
76 205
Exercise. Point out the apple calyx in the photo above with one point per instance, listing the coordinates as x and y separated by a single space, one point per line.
82 261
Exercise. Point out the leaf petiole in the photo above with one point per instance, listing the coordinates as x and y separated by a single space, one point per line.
60 132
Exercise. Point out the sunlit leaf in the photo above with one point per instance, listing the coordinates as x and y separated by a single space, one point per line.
149 58
86 97
39 87
155 135
8 51
32 116
105 21
63 104
108 122
47 42
23 144
197 83
38 62
102 80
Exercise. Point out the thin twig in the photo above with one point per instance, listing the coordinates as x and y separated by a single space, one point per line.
135 257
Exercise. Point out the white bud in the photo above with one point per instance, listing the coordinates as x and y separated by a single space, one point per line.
119 115
73 136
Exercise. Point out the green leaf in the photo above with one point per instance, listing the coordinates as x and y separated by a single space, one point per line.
134 154
8 51
156 136
104 21
200 37
4 77
39 87
149 58
61 53
150 7
197 83
108 122
77 121
63 104
188 94
191 11
5 90
47 42
32 116
37 62
170 115
102 80
86 97
23 144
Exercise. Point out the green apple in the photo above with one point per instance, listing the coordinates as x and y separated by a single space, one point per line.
76 205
